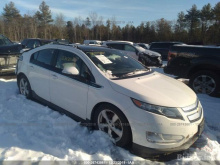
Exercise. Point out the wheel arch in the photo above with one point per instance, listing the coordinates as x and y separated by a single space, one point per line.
20 75
92 119
104 103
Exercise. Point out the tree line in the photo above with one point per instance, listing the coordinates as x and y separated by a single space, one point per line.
200 26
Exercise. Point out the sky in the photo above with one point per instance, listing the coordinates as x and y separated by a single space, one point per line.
123 11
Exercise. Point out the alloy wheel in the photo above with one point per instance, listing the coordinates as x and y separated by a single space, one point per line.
204 84
110 123
24 90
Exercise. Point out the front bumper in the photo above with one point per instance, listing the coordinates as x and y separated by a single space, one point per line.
143 121
147 152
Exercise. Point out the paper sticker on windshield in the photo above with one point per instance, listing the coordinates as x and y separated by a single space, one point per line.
103 59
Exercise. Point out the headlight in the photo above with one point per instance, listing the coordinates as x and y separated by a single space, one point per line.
165 111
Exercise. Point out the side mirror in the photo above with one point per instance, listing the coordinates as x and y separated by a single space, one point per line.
71 70
23 46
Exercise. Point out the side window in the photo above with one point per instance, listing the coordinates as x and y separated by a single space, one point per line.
67 60
129 48
36 44
2 42
30 44
24 42
34 57
33 44
85 73
43 58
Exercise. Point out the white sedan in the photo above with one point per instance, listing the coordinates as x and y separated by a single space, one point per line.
136 107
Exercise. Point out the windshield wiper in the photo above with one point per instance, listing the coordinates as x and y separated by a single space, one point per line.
133 72
137 70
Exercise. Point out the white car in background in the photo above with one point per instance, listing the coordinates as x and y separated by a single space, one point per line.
146 57
134 105
92 42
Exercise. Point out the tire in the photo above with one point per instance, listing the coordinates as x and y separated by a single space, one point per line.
24 87
206 82
118 130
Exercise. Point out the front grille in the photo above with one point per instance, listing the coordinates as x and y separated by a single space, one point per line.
194 107
191 107
195 116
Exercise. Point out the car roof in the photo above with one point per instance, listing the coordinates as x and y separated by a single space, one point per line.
196 46
165 42
37 39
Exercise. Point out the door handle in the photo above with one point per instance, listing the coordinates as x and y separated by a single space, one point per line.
31 67
54 76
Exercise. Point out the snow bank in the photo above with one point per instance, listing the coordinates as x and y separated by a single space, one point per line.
31 131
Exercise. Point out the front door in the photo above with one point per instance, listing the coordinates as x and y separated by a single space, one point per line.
69 91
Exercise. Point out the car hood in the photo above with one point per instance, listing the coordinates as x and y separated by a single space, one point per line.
148 52
156 89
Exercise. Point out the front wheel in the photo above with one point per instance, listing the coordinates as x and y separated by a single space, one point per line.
206 82
24 87
112 121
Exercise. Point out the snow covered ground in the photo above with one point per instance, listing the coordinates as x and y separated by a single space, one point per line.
31 131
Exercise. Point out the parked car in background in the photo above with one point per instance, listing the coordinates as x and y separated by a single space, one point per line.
92 42
143 45
200 64
9 53
146 57
62 41
162 48
31 43
132 104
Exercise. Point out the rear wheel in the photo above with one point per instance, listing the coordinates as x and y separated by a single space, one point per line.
24 87
112 121
206 82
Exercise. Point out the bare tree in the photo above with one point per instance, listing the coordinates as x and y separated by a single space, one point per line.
60 24
93 17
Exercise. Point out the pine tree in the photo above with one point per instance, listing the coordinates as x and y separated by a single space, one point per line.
44 17
192 19
10 12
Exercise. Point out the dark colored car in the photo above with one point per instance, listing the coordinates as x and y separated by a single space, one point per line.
62 41
9 53
145 56
31 43
162 48
200 64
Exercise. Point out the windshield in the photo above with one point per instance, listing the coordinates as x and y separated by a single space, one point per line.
4 40
115 64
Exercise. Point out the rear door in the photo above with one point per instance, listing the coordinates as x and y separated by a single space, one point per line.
39 72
